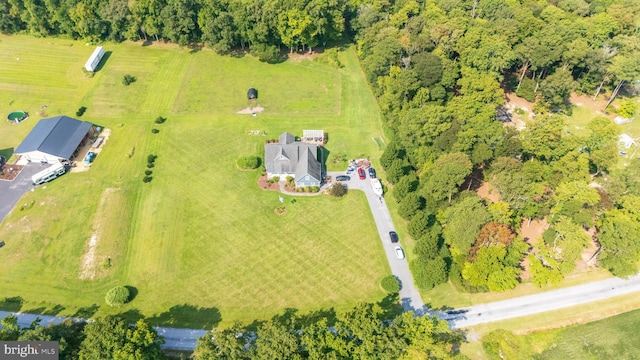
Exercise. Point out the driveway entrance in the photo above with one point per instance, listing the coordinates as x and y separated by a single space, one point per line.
12 191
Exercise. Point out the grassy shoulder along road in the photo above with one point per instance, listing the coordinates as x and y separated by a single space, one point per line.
538 325
611 338
200 244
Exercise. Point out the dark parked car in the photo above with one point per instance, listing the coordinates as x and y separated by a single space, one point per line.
393 236
372 173
343 178
361 174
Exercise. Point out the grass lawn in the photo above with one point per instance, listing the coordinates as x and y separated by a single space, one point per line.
199 245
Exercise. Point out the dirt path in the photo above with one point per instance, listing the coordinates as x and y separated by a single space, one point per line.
80 165
251 110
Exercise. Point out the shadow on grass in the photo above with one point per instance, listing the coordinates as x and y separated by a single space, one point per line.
132 315
7 153
53 311
133 292
103 61
390 305
11 303
188 316
86 312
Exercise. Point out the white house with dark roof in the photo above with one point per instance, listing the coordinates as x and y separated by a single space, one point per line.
289 157
54 139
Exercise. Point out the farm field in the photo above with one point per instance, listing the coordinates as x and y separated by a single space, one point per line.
610 338
200 245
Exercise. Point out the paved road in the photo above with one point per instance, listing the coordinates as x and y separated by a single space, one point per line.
185 339
175 339
543 302
12 191
409 295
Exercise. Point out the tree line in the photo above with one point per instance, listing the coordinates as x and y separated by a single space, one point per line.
264 25
365 332
440 69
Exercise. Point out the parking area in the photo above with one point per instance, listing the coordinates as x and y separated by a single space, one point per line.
12 191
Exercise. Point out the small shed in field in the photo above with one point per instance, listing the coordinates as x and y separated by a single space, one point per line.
313 136
252 93
94 59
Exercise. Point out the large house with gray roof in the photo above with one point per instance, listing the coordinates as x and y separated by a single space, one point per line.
54 139
289 157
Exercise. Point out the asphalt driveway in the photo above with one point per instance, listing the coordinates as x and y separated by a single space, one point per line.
409 295
12 191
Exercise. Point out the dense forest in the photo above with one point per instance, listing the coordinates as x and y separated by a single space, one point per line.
223 25
440 70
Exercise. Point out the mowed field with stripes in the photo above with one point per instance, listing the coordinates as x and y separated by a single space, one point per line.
200 245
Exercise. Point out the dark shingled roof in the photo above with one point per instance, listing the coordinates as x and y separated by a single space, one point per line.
58 136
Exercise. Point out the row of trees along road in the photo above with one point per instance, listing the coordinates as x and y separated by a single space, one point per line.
365 332
439 69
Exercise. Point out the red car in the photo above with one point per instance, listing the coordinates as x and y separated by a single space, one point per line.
361 174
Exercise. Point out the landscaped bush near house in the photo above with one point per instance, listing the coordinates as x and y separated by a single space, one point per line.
338 190
390 284
117 296
248 162
315 188
81 111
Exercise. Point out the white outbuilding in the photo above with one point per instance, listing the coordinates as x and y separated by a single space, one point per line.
94 60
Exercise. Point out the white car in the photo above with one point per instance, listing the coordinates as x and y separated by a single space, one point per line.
399 252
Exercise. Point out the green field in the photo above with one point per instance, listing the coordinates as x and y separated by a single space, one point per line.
200 244
610 338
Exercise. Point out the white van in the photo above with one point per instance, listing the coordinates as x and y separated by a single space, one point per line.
48 174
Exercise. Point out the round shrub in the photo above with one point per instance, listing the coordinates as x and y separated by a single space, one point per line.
337 190
117 296
248 162
147 179
148 172
390 284
160 120
155 131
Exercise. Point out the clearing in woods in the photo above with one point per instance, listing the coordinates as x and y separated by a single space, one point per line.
200 243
